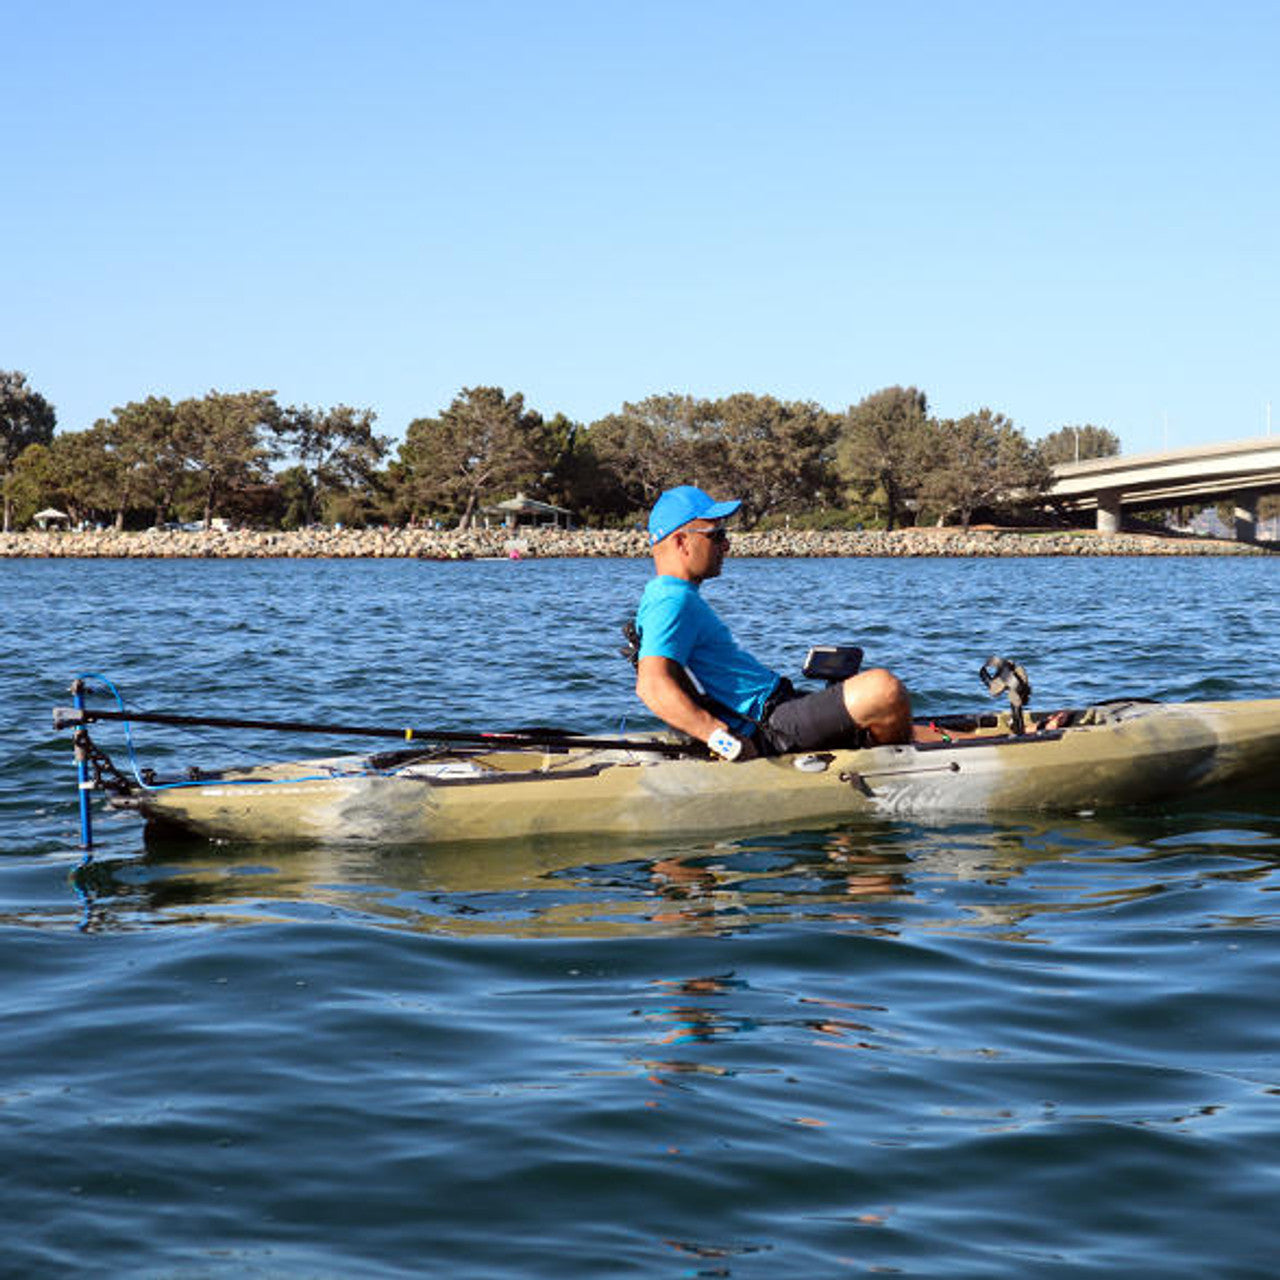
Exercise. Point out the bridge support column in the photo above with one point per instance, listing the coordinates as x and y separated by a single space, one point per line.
1109 511
1246 505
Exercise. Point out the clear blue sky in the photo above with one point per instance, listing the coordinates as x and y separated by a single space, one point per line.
1067 213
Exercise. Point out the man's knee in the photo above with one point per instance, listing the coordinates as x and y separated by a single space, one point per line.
877 700
875 689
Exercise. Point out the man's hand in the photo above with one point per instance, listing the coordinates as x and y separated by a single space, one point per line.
729 746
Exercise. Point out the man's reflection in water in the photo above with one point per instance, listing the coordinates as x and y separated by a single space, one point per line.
713 895
701 1012
698 1021
867 872
693 1018
687 893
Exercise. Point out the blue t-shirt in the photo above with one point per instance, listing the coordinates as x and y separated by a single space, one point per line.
675 622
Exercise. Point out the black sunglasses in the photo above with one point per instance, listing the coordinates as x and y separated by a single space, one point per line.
715 535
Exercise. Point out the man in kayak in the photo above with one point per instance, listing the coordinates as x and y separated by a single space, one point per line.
744 709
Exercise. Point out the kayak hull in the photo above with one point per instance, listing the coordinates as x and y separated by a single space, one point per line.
1120 754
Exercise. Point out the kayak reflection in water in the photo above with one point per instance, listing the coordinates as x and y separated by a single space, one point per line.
739 707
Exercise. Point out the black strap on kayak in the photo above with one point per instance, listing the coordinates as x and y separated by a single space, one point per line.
631 650
1001 675
67 717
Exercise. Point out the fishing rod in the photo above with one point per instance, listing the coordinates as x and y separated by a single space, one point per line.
67 717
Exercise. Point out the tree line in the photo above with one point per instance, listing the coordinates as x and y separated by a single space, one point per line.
885 461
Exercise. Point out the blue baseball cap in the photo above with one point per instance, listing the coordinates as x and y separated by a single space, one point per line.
686 502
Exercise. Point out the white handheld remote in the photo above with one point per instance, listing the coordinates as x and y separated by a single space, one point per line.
725 745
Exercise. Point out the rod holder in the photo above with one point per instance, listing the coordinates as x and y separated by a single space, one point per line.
80 743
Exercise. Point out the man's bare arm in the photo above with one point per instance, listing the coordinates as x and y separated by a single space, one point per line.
663 686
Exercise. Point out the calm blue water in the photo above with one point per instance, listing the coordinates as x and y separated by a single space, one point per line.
1036 1048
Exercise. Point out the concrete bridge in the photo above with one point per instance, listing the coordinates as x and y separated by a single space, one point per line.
1240 471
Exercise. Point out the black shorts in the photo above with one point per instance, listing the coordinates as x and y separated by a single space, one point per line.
795 721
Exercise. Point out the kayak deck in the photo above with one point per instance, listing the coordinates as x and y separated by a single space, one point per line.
1112 754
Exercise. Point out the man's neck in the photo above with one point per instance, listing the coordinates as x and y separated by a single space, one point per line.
669 567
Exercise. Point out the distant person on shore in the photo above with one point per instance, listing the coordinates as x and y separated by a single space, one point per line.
742 708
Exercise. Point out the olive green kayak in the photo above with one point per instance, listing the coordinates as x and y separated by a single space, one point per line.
1113 754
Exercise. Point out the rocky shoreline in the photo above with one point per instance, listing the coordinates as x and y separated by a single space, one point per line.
432 544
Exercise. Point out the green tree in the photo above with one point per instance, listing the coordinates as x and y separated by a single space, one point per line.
137 444
30 485
774 455
297 497
146 437
1076 444
26 418
649 446
227 440
575 480
72 472
882 445
982 460
484 442
336 448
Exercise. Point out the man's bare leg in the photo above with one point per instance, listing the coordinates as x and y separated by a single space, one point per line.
878 702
